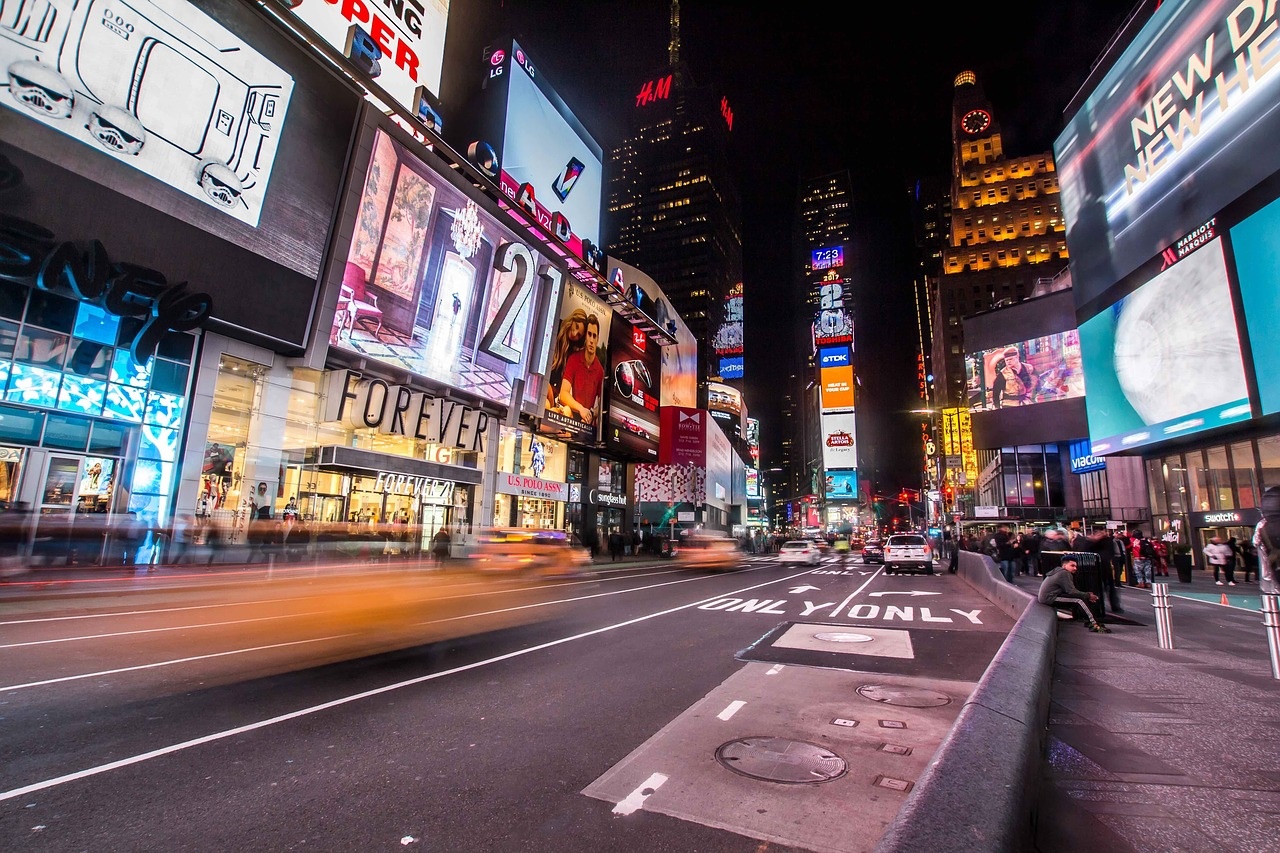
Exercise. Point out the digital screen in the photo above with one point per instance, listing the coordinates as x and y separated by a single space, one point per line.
728 338
832 326
824 259
723 398
1082 458
576 375
1183 123
842 485
1164 361
1024 373
545 146
1257 256
753 482
833 357
836 387
839 446
157 86
414 298
414 41
632 391
731 368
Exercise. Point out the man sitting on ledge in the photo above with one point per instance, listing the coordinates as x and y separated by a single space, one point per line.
1058 590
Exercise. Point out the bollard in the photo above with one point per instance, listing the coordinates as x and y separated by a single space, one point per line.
1164 621
1271 619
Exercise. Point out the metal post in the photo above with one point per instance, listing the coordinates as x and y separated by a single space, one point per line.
1271 619
1164 622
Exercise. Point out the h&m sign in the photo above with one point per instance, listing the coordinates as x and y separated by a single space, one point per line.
400 410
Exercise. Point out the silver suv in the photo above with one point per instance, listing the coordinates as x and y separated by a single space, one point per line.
907 552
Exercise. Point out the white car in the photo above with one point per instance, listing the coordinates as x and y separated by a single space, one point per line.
799 551
907 552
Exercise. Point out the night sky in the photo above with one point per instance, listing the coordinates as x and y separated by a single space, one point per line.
809 97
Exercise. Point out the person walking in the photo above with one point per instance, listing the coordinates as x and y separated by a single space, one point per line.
1006 553
1266 541
615 545
1119 552
440 545
1058 590
1143 553
1031 542
1220 556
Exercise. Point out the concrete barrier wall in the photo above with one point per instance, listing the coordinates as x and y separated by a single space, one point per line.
979 789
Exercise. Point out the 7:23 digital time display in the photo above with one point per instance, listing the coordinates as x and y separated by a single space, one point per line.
822 259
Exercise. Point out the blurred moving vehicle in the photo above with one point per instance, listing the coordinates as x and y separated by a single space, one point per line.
708 550
873 551
907 552
799 551
533 551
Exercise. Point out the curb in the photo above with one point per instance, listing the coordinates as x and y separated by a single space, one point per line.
979 790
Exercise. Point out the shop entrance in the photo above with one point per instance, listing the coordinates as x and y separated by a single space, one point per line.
74 503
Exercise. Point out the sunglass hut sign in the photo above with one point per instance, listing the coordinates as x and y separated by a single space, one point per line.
400 410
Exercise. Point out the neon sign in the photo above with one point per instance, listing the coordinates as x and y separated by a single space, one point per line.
655 90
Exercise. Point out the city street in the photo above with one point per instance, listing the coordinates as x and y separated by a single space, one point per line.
647 707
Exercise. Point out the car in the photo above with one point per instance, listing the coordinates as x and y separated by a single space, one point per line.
708 550
631 425
799 551
873 551
528 551
822 545
907 552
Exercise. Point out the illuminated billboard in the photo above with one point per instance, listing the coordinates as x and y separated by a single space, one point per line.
632 420
725 400
1181 125
832 326
753 439
642 292
731 368
538 153
154 85
828 258
1024 373
839 445
420 295
1253 242
576 373
841 485
728 338
836 387
753 483
1164 361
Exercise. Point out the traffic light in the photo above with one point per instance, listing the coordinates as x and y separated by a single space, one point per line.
904 496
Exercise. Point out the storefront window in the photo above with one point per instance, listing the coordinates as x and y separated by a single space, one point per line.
1219 479
1156 487
1198 491
1269 458
1175 485
1246 478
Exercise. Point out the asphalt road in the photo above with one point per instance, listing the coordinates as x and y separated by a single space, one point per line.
646 709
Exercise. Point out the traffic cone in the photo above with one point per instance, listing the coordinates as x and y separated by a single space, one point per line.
1225 602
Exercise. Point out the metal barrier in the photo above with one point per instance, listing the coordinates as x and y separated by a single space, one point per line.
1271 619
1164 616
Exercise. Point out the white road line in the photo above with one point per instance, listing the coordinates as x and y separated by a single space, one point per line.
162 630
854 594
4 689
732 708
636 798
356 697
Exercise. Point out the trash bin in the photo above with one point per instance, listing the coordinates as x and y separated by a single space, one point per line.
1088 576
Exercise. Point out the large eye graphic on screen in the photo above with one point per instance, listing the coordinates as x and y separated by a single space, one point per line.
1176 347
41 89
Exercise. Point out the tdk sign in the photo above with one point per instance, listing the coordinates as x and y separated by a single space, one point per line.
833 357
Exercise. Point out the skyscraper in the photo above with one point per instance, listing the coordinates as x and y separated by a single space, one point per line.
672 207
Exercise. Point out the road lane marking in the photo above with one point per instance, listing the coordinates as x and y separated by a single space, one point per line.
111 634
636 798
732 708
356 697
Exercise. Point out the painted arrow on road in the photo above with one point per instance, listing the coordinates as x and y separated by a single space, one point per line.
904 592
801 589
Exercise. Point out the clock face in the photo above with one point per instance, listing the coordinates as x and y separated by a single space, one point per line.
976 121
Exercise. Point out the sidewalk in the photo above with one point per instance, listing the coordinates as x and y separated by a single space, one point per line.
1171 750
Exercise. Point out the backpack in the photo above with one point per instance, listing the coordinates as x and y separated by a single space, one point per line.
1146 550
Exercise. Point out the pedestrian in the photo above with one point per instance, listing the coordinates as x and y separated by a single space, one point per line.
615 544
131 532
1031 542
180 538
1006 552
1143 553
1119 550
637 543
213 538
1249 557
1100 544
440 545
1267 543
1058 590
1220 556
1237 555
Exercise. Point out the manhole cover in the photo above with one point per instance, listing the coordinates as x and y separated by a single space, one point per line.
906 697
843 637
776 759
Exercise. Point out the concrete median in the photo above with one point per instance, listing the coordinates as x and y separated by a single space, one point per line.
979 791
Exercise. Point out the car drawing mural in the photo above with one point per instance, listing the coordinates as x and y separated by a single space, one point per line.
155 83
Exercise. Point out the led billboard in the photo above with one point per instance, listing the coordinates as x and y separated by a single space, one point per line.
728 338
576 375
1181 124
420 294
1257 257
399 45
839 446
723 399
539 154
826 258
836 387
841 485
1024 373
642 292
1164 361
832 326
632 420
